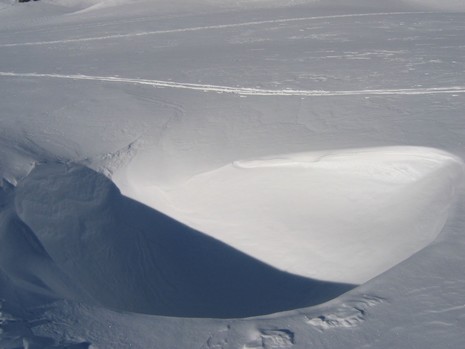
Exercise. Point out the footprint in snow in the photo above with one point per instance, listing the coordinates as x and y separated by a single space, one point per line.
348 315
218 340
272 339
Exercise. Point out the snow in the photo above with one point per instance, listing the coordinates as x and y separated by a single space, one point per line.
322 215
232 174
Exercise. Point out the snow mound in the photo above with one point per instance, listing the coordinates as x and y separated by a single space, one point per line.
342 215
80 239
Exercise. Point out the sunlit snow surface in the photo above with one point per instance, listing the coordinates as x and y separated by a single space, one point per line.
167 165
341 216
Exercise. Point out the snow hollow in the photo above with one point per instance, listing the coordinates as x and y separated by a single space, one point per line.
256 174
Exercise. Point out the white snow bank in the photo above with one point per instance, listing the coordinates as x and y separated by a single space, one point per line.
343 215
71 223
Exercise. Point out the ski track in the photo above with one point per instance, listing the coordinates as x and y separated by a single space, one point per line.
245 91
194 29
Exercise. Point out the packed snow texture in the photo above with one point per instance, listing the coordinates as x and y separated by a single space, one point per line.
232 174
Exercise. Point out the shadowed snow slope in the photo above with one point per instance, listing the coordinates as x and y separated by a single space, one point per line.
341 215
188 106
36 274
127 256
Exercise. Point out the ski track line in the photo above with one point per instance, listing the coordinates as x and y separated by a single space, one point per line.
246 91
220 26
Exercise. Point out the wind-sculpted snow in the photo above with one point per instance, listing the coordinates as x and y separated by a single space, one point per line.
340 215
73 224
37 273
226 186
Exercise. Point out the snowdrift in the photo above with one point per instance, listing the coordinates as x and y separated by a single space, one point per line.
230 205
341 215
81 239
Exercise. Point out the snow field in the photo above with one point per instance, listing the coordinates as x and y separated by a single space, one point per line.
170 171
